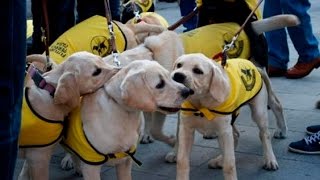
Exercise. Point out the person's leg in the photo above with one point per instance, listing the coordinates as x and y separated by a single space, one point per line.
115 9
90 8
37 44
61 17
302 36
13 54
87 8
187 6
277 40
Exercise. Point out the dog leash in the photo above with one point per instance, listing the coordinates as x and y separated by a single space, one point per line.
185 18
45 34
137 17
112 40
223 54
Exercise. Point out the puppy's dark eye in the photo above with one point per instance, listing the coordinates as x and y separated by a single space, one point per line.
96 72
197 71
179 65
160 85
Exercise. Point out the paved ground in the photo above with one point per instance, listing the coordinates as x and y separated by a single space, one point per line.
298 98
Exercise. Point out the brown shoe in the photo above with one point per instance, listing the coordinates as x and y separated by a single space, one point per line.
301 70
276 72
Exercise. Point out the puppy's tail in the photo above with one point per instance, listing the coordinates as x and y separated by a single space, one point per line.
274 23
272 98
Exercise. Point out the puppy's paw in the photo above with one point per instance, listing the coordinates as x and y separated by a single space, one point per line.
271 165
78 173
215 163
171 157
146 139
66 163
278 134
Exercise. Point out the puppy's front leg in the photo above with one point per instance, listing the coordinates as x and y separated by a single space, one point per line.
90 172
186 138
171 156
124 169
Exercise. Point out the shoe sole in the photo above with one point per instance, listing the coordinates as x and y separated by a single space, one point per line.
303 152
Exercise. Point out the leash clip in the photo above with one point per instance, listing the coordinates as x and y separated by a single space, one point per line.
115 59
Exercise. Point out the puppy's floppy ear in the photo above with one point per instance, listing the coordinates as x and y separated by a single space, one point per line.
67 91
219 86
135 92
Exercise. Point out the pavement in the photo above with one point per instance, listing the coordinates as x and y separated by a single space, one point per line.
298 98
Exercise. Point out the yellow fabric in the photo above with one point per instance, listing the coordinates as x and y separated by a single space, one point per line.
144 4
29 28
210 40
90 35
36 131
251 3
245 83
76 141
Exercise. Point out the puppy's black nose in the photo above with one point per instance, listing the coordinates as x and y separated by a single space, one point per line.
186 92
179 77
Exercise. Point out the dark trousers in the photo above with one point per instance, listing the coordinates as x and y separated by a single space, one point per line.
13 54
88 8
61 17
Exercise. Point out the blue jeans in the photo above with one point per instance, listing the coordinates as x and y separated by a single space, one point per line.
13 54
187 6
301 36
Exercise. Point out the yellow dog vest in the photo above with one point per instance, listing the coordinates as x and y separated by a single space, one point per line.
210 40
37 131
245 83
90 35
76 141
145 5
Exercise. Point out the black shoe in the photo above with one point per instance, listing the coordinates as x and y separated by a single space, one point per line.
308 145
313 129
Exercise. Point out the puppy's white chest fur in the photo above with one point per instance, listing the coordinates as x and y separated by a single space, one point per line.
202 125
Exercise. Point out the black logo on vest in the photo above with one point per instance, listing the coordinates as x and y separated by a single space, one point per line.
100 45
238 45
248 76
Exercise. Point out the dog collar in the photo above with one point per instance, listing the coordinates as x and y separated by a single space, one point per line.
40 81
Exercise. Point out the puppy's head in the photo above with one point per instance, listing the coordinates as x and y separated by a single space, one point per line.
147 86
202 75
80 74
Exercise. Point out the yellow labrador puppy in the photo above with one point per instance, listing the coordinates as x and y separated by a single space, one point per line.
106 128
219 92
48 101
166 46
